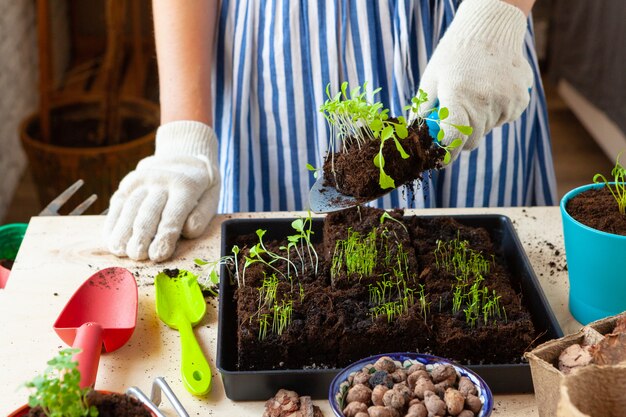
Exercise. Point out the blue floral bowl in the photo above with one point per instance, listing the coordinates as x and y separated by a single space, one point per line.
340 384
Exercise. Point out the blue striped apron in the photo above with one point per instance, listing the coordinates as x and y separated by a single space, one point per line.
273 61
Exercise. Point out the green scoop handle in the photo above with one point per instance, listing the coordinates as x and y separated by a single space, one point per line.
180 305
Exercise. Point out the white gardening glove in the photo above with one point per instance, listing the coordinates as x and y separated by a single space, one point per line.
478 70
175 191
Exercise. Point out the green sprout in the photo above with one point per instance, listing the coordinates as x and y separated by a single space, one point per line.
258 253
282 317
387 216
619 188
268 291
209 277
442 114
357 254
263 325
58 390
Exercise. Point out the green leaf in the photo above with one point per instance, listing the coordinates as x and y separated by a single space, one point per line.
455 143
214 277
400 149
298 225
386 181
379 160
401 131
466 130
386 133
443 113
447 157
376 125
310 167
440 135
200 262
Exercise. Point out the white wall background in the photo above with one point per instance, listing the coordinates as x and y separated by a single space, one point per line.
19 80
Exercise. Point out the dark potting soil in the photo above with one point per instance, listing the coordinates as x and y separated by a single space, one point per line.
597 209
7 263
356 175
332 322
108 405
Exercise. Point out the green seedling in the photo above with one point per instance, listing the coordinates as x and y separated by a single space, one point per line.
387 216
314 170
259 252
58 390
356 254
263 325
619 188
209 278
421 116
268 291
282 317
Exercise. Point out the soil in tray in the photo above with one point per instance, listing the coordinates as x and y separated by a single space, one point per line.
597 209
108 405
356 175
335 319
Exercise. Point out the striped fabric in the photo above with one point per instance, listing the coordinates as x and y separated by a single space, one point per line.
273 61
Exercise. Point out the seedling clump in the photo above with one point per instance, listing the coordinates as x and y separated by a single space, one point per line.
354 121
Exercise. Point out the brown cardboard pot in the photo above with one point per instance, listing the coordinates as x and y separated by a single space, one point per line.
593 391
547 378
58 164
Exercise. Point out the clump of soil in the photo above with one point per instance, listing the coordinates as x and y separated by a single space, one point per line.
353 173
597 209
334 320
386 388
108 405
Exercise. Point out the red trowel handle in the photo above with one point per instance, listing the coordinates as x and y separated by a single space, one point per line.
89 341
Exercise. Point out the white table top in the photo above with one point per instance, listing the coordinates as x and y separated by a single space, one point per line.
59 253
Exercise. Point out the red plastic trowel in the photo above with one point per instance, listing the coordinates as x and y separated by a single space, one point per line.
102 312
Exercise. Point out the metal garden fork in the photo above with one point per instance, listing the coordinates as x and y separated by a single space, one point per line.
52 209
158 385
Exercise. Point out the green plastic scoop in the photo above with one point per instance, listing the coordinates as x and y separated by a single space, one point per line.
180 305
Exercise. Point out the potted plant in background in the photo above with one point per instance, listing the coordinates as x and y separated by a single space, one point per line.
594 230
11 236
57 393
97 134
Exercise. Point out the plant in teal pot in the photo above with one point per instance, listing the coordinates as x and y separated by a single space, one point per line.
594 230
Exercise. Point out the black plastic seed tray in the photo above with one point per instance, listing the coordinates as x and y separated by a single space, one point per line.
263 384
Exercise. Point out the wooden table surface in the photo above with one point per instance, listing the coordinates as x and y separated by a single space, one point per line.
59 253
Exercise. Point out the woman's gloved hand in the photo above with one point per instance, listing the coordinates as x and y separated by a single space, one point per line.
478 70
174 192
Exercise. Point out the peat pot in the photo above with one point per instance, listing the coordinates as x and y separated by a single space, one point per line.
73 153
596 266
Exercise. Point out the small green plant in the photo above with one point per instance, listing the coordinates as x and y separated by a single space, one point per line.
58 390
282 317
421 116
268 291
457 258
387 216
259 252
209 277
304 228
263 325
619 188
391 309
357 254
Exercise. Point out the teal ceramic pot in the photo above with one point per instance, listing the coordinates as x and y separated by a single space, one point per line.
596 262
11 236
